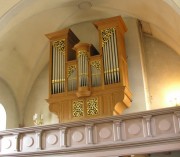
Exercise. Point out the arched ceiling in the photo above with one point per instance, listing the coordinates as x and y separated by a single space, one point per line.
24 48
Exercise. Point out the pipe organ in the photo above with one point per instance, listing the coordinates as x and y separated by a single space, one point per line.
83 82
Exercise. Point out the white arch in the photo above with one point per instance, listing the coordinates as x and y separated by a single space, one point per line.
3 117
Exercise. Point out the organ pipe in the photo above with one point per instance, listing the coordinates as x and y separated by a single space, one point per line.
116 55
72 77
83 68
58 66
110 56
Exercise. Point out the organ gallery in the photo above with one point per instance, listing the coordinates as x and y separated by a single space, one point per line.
85 82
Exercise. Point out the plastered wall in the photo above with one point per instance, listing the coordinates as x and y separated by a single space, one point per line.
9 104
163 73
36 102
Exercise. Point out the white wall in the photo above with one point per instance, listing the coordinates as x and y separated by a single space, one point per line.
135 71
9 103
163 72
36 102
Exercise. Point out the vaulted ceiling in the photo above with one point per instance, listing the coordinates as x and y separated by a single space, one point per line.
24 48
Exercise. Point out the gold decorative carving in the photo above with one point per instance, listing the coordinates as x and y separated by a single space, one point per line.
78 108
96 64
71 69
60 44
82 53
106 34
92 107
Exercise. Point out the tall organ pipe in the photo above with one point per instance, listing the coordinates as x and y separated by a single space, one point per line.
61 71
86 70
83 70
104 62
58 67
53 70
56 71
108 64
113 59
116 55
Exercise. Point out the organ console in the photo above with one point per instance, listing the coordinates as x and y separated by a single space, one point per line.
83 82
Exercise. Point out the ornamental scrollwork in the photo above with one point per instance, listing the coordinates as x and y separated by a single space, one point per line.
106 34
60 45
82 53
78 108
96 64
70 70
92 107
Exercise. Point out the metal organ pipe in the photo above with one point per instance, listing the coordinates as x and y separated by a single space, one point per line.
72 78
110 56
111 60
60 71
109 64
105 68
56 71
96 72
53 70
106 64
86 70
58 67
82 71
116 55
83 68
113 70
79 70
63 55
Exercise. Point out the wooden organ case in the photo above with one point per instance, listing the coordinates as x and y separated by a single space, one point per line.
85 83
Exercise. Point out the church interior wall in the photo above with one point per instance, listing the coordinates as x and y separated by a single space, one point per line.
9 103
163 75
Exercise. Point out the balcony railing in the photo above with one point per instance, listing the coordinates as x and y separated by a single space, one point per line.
136 133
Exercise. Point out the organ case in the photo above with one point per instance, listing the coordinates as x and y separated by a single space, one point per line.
85 83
